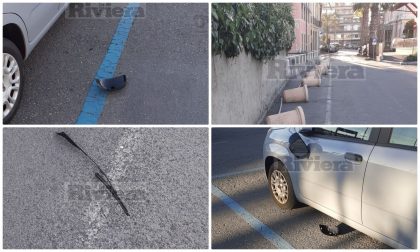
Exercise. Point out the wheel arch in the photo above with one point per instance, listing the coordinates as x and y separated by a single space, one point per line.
15 31
269 161
287 163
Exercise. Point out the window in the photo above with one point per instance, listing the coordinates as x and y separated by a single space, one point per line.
404 136
355 133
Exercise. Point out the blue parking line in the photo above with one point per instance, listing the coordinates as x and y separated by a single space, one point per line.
96 97
257 225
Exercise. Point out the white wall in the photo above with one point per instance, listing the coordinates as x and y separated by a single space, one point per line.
243 88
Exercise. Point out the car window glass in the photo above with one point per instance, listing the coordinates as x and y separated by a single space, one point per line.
357 133
404 136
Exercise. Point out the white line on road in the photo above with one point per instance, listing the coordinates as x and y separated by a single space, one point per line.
257 225
328 105
228 174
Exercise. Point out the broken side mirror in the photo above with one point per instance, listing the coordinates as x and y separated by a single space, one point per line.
298 147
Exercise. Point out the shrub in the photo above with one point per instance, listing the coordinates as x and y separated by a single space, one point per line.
412 57
262 29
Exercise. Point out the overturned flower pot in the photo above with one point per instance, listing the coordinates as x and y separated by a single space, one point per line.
312 81
322 69
299 94
295 116
313 73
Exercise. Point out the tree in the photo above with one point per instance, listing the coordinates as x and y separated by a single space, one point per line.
362 11
329 24
374 21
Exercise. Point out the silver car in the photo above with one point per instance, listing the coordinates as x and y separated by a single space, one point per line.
24 25
363 177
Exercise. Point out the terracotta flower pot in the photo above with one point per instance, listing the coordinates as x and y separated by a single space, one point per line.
295 116
312 81
327 63
313 73
299 94
322 69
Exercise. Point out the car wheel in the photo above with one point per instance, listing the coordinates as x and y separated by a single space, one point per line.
12 79
281 187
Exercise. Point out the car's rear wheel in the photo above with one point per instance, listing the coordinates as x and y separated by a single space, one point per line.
12 79
281 187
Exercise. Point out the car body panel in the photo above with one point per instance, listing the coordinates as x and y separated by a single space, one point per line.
37 19
328 179
373 213
276 145
390 174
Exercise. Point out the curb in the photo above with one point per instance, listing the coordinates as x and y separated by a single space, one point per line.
400 62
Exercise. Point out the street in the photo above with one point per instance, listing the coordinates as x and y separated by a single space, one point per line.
238 171
358 91
52 199
165 60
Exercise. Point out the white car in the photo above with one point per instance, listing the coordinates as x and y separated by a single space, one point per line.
24 24
363 177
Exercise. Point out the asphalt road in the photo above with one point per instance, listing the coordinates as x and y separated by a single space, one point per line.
235 150
248 187
357 91
165 59
51 198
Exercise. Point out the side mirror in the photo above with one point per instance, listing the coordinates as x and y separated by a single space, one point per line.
298 147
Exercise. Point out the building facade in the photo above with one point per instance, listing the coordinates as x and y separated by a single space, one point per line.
394 23
346 28
307 27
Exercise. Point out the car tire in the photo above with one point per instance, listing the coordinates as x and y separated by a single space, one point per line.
281 187
12 82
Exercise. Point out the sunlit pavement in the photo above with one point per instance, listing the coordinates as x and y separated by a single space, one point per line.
52 199
165 60
359 91
248 187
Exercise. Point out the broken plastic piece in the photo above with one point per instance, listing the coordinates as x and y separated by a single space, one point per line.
337 230
106 181
330 231
110 84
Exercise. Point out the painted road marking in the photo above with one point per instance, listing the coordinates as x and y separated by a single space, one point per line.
95 100
329 97
257 225
235 173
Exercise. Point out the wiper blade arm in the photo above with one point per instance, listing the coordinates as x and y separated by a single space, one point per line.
113 192
106 181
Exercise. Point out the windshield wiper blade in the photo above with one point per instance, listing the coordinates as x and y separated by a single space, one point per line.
113 192
101 175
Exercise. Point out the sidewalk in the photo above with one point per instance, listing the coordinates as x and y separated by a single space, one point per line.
397 59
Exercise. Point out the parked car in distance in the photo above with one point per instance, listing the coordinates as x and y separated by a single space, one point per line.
24 25
363 177
332 48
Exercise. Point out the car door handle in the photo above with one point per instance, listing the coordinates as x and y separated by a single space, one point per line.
353 157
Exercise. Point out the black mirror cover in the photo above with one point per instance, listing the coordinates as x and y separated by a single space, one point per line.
111 84
298 147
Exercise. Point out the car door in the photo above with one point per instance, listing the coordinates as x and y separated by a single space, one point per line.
36 16
389 200
332 175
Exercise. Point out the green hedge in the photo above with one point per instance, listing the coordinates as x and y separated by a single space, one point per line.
262 29
411 57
